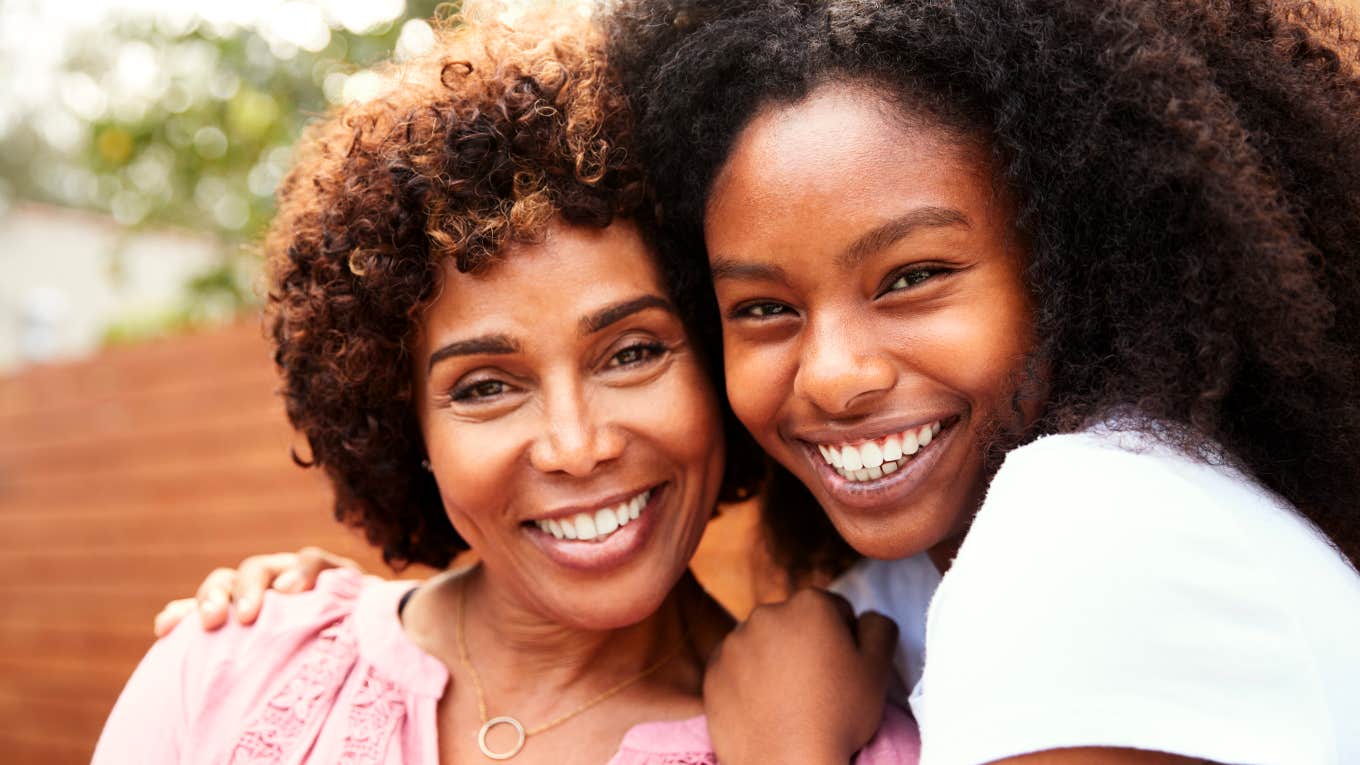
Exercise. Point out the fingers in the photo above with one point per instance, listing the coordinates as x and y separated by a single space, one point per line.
173 613
253 577
213 597
877 637
311 561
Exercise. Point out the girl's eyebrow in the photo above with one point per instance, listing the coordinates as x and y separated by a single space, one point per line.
729 268
487 344
610 314
898 228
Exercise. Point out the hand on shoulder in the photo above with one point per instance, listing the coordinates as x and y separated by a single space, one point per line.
801 681
245 586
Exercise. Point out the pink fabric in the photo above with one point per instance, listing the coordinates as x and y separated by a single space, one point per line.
332 678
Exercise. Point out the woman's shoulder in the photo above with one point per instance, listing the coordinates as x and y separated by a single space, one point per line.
203 692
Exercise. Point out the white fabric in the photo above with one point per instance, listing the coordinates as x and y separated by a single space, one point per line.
901 590
1113 592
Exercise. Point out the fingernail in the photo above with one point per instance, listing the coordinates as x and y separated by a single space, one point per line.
246 603
214 602
287 581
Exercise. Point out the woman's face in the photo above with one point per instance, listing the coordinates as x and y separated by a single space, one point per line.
572 430
874 314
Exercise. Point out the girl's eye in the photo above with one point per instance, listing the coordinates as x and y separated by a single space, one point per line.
482 390
633 355
761 310
911 277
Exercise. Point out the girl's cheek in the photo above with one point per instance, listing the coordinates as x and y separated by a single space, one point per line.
756 378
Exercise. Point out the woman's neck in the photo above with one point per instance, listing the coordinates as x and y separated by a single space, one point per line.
533 664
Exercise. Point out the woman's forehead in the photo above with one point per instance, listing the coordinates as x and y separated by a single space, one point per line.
570 269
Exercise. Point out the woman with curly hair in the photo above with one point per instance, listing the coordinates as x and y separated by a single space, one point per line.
1054 304
479 345
1061 299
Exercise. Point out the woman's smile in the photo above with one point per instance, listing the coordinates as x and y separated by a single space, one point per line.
597 536
572 430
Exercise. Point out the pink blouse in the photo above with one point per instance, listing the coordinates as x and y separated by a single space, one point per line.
333 678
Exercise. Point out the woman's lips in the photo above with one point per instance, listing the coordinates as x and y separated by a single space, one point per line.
875 474
602 547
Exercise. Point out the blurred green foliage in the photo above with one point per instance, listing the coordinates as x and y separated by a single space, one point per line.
190 124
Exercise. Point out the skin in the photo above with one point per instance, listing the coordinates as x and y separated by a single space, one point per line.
904 304
534 399
560 377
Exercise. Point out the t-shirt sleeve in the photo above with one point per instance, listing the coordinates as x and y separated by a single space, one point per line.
1102 599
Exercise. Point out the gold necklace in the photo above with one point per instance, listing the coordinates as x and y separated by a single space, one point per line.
521 732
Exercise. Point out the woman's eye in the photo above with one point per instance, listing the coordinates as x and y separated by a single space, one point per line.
480 390
763 310
636 354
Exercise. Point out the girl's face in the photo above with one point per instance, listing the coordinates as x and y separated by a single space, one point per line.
572 430
875 320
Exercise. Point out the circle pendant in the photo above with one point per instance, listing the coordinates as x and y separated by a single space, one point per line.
492 723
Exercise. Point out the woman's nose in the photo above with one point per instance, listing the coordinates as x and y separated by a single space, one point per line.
574 440
842 368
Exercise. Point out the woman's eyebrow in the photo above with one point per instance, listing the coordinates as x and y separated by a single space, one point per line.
602 318
898 228
488 344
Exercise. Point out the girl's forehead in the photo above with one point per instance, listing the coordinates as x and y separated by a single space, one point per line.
836 162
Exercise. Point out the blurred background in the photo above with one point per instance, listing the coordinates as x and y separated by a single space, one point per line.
141 441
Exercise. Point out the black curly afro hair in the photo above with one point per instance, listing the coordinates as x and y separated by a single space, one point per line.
1187 173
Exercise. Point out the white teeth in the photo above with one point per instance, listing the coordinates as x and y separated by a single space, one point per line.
605 521
875 459
585 526
871 455
924 435
599 524
850 459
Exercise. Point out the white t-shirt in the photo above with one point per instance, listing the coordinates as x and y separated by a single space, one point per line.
1113 592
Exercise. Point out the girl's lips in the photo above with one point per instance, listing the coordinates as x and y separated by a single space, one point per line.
613 551
882 494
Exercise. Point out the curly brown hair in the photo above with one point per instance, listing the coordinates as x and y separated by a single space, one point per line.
476 145
1188 177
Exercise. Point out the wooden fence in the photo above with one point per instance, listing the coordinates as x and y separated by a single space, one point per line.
124 479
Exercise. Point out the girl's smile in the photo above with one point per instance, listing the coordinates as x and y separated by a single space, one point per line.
875 316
